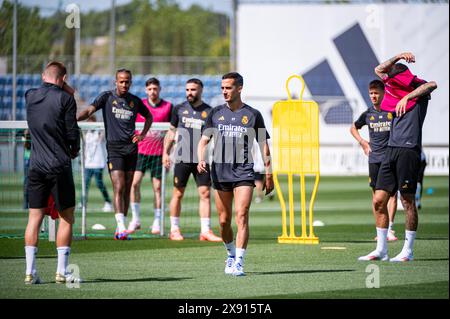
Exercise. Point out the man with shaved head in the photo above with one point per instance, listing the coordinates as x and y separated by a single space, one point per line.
55 135
120 109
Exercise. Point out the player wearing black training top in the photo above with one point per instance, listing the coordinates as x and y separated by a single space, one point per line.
187 120
379 125
55 135
408 96
120 109
234 127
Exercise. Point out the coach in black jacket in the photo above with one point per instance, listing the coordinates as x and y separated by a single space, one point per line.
51 117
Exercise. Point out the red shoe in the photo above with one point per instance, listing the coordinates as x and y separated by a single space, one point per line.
209 236
121 236
176 235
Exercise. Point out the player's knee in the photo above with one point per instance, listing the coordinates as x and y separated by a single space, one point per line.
178 193
67 216
204 194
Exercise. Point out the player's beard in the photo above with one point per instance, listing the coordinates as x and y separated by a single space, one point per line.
192 99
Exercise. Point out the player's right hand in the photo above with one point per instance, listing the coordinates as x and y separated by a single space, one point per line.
201 167
166 161
366 147
408 57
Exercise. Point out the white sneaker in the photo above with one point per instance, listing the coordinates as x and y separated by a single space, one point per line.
156 227
258 199
107 208
403 257
375 255
133 226
229 265
238 270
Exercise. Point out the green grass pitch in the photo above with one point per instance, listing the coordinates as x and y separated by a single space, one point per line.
153 267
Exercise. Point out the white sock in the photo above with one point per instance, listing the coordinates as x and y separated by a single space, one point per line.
63 259
205 224
136 211
120 219
410 235
157 213
240 253
30 255
391 224
174 223
382 240
231 249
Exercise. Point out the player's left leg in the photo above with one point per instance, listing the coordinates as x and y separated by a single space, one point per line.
380 200
119 185
242 201
224 205
411 223
35 219
407 168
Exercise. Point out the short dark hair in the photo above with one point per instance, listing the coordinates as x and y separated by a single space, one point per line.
196 81
238 79
396 69
124 71
154 81
58 68
376 84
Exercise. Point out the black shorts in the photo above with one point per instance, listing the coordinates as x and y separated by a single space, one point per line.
259 176
60 185
399 170
229 186
151 162
374 168
182 171
122 157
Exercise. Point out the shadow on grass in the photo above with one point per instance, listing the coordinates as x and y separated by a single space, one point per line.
23 257
290 272
430 259
163 279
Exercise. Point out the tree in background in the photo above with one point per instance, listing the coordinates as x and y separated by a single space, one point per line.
34 35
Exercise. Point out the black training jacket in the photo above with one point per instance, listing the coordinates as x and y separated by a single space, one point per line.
55 135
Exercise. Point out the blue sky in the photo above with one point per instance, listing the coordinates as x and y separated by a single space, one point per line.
49 6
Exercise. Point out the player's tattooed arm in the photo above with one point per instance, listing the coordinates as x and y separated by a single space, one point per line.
383 69
423 90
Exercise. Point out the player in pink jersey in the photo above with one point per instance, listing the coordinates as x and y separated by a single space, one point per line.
408 96
150 151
